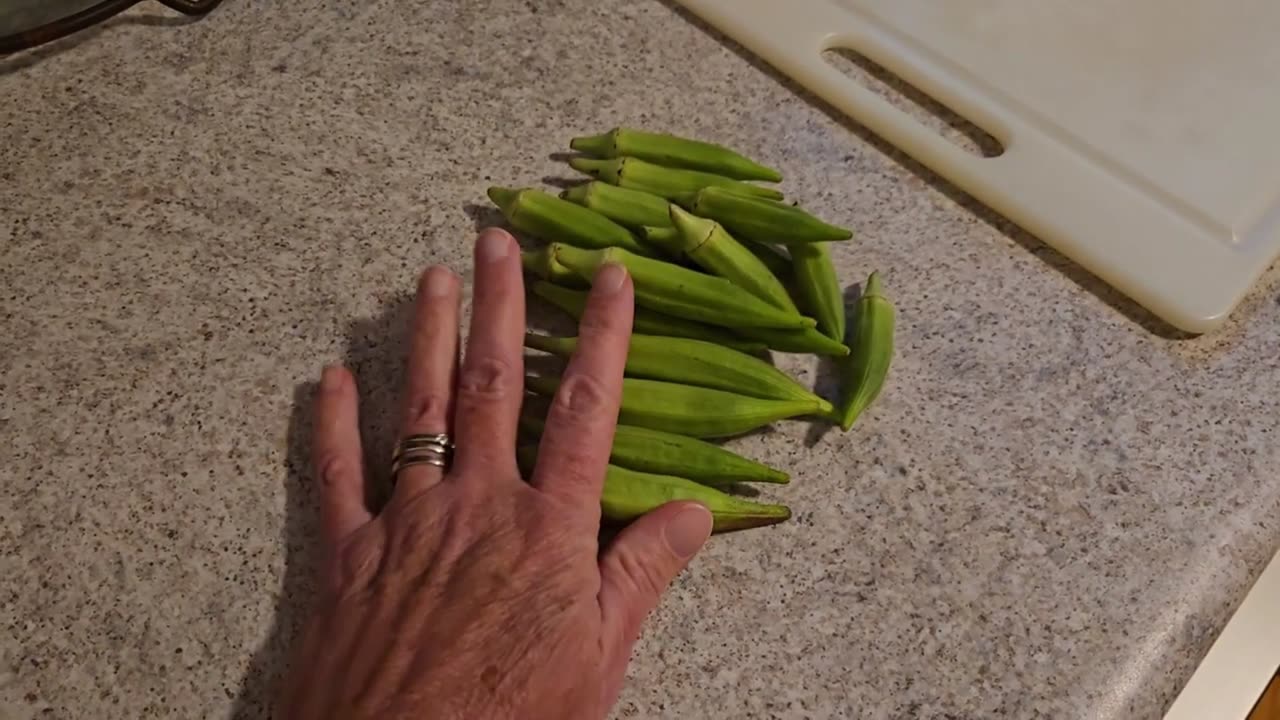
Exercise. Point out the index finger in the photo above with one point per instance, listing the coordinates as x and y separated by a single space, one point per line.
579 431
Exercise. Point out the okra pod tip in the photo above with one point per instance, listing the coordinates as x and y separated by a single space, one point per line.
593 166
762 516
576 193
504 198
873 285
694 229
597 145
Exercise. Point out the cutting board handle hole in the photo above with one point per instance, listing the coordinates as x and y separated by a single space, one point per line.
913 101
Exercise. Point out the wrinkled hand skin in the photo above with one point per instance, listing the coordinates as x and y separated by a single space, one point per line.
463 606
475 594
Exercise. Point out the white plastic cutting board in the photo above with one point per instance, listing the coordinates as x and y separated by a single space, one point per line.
1142 137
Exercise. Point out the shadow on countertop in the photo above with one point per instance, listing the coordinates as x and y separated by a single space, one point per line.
375 349
299 535
1051 257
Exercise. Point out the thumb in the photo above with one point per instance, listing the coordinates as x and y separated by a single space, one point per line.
642 561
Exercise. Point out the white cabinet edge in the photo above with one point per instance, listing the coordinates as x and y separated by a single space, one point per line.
1241 662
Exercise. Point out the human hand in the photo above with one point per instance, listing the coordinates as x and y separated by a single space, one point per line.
474 594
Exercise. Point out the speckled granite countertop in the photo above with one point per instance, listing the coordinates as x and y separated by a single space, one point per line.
1050 514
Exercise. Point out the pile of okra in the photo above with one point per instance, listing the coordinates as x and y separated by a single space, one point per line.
724 270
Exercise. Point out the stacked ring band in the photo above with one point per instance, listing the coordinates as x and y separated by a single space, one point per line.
422 450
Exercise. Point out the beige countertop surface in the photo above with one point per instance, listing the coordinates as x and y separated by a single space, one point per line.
1051 512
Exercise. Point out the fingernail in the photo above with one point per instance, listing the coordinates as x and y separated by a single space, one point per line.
331 379
688 530
493 245
609 278
438 282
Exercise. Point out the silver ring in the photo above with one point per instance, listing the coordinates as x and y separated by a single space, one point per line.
434 450
416 441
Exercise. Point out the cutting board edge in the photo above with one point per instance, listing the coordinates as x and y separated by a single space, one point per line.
1121 252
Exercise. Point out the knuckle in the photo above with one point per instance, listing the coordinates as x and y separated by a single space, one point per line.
333 469
486 379
426 411
582 398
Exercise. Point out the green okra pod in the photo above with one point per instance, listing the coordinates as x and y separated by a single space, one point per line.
666 239
649 322
778 263
867 366
784 341
819 287
682 292
749 340
669 241
550 218
665 453
756 221
706 243
543 264
632 208
694 362
669 183
674 151
691 410
628 494
807 340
